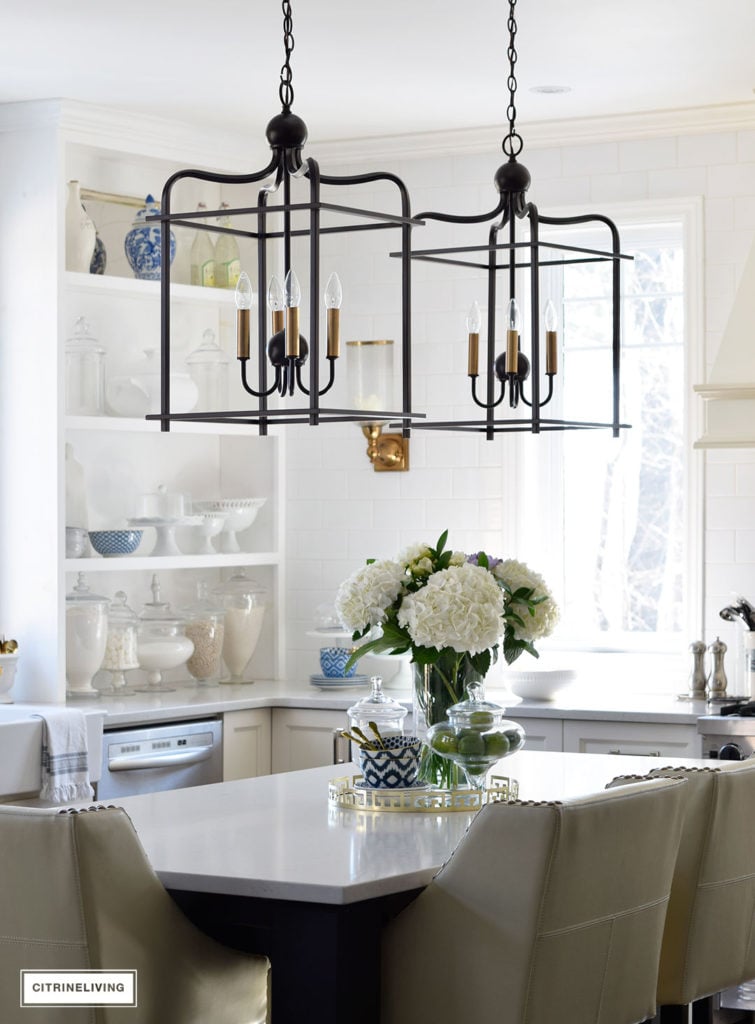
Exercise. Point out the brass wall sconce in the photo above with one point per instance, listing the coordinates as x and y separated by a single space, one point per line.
369 367
387 452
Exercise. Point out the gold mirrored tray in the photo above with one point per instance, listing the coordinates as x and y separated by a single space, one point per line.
350 792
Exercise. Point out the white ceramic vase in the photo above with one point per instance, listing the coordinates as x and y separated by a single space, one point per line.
81 234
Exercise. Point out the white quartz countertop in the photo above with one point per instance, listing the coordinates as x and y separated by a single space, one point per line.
192 701
278 836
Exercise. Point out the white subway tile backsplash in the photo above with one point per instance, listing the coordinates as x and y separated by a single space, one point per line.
647 154
731 180
746 146
720 480
745 545
711 148
730 513
718 213
618 187
745 487
682 181
598 158
719 546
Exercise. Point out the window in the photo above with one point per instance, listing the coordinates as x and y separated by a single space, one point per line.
622 578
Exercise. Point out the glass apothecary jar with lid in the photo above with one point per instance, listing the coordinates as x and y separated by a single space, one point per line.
86 638
121 653
208 368
161 641
378 708
85 372
205 628
244 602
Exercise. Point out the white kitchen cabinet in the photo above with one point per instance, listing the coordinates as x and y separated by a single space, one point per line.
541 733
305 737
648 738
43 145
246 743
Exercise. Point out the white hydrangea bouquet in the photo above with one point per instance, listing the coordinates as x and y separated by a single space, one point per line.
452 611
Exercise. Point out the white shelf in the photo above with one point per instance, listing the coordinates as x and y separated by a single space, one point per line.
125 424
102 284
150 563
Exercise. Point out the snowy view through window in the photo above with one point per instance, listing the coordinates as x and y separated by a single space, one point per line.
623 499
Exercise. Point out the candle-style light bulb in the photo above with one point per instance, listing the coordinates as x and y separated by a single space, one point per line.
244 302
551 337
333 292
276 303
333 299
292 293
292 290
474 321
513 327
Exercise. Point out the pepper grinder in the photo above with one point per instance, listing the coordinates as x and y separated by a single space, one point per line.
697 678
717 682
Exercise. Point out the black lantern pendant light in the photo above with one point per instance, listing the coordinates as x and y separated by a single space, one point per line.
282 361
514 370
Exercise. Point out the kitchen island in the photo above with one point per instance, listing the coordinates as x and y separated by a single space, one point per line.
270 865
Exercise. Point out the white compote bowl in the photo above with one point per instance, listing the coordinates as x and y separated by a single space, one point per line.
211 525
239 514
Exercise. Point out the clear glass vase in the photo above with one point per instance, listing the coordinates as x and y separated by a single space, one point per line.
437 688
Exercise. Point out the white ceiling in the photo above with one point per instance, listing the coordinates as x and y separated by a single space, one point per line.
381 68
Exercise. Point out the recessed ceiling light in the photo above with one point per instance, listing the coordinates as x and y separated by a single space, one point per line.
550 88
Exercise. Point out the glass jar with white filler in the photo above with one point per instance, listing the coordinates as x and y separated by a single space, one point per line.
86 638
244 601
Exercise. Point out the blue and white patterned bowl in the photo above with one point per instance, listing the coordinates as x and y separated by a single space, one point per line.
112 543
393 768
333 662
142 244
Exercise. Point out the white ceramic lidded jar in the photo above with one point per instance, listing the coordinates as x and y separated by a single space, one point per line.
244 602
86 638
161 642
85 372
205 628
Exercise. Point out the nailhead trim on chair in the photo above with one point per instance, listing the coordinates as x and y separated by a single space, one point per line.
83 810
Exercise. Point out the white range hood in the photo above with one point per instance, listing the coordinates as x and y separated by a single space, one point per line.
729 395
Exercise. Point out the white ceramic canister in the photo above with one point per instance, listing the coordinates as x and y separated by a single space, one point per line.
81 234
86 638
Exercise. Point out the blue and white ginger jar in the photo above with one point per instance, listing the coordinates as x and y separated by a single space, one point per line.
142 243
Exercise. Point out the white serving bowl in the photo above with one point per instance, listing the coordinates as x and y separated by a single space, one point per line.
539 685
239 514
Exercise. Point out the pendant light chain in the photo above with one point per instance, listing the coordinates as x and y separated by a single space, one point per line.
512 143
286 90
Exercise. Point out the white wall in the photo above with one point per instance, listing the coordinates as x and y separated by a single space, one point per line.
341 512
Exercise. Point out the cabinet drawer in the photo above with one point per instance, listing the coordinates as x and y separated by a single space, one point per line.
541 733
639 738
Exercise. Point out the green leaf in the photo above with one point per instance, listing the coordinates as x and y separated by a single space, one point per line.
482 559
441 542
481 662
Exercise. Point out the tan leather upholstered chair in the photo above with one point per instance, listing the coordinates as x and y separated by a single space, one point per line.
709 939
546 912
77 891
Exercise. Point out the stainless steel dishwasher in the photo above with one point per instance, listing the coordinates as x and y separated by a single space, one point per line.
170 756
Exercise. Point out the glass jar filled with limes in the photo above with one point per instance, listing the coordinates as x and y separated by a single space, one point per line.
475 735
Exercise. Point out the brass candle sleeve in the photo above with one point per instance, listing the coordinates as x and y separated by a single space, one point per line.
242 333
473 367
551 351
512 351
334 333
278 320
292 332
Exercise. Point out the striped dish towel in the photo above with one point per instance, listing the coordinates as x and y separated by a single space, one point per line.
65 758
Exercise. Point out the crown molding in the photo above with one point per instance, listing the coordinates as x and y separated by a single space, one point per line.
128 132
543 134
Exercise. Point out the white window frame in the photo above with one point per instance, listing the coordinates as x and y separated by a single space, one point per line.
523 454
